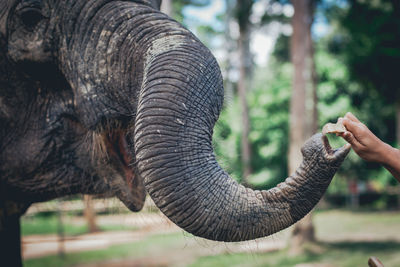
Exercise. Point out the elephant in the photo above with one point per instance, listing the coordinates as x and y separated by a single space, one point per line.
114 97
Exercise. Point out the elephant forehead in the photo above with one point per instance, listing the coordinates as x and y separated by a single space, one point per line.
163 44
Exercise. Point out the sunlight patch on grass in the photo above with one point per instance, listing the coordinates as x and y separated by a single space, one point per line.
44 225
38 225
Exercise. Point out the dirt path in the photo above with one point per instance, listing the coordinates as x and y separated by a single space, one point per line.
35 246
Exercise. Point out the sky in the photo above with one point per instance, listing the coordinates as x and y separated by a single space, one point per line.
206 15
263 39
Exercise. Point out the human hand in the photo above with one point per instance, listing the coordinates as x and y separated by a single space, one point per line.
368 146
362 140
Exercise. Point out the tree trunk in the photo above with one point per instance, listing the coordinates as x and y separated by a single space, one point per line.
90 214
166 7
242 89
303 110
353 194
244 11
60 229
230 48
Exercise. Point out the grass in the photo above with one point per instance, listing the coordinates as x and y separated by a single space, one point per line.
379 229
43 225
133 250
343 254
330 226
39 225
340 224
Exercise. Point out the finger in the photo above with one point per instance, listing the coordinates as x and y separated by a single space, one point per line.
351 126
351 117
349 137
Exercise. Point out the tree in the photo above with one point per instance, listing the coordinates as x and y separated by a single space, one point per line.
167 8
90 214
373 54
243 12
303 113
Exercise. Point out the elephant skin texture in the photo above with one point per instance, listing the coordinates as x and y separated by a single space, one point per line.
117 99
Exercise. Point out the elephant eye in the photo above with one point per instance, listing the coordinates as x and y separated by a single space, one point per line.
30 13
30 16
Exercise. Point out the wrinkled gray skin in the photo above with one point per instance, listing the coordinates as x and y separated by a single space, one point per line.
104 96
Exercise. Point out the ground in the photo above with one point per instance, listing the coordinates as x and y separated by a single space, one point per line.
149 239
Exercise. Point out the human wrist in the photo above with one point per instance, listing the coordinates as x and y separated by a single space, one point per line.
388 155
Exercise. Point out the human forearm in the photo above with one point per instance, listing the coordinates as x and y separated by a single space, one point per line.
369 147
391 160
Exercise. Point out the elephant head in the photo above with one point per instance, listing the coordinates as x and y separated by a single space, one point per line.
101 96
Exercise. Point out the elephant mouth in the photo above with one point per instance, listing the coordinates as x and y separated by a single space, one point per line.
125 184
118 153
328 148
331 152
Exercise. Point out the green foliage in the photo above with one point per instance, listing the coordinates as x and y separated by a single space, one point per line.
373 51
269 119
269 104
281 49
356 66
339 93
361 67
226 139
272 14
178 5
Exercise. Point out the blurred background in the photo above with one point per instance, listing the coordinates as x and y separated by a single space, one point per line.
289 67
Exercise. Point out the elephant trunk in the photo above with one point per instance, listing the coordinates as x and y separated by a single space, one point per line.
162 76
179 102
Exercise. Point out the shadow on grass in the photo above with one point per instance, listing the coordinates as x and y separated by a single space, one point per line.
365 246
